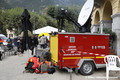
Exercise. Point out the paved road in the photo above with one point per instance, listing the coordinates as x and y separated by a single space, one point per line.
12 67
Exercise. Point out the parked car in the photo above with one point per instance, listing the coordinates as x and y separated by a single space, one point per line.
3 39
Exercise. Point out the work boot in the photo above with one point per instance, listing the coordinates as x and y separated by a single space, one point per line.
32 71
26 71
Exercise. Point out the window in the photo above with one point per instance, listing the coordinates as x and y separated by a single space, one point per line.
10 35
72 39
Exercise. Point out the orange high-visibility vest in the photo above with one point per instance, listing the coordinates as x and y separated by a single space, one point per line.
45 62
37 71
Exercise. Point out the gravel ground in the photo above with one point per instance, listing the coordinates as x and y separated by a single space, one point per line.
12 67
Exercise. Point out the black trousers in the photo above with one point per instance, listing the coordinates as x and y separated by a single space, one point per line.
43 46
0 56
30 64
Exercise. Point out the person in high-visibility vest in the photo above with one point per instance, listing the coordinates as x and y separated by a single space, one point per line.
43 67
32 64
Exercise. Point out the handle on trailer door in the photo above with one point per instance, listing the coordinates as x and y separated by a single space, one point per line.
62 50
95 47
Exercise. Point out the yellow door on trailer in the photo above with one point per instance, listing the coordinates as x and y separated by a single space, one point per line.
54 48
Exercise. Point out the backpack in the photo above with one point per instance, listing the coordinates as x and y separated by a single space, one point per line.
8 40
44 67
51 70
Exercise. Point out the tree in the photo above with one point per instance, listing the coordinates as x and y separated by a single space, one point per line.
51 11
37 20
50 21
11 18
56 13
1 22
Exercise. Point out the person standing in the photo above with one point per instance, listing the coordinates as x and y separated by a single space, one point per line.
9 45
18 42
9 41
15 44
15 41
42 41
35 39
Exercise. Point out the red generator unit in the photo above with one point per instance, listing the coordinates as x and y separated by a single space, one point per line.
82 52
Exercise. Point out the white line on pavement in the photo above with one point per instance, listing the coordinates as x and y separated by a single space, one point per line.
98 77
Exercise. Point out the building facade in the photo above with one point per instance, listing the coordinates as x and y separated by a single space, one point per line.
10 33
106 14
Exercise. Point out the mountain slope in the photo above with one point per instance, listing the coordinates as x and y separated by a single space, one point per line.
70 2
41 4
4 5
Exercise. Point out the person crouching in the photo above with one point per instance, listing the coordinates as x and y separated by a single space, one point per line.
32 64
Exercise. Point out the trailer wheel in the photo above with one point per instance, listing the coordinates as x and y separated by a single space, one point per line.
87 68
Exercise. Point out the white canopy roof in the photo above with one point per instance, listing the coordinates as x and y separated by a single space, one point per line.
47 29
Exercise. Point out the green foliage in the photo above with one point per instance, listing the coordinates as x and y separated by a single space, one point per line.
55 13
51 11
11 18
37 20
50 21
112 35
1 21
74 11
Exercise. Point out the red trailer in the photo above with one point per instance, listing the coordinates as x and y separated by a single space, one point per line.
81 51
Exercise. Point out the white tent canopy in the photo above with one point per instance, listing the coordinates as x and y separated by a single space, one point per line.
47 29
